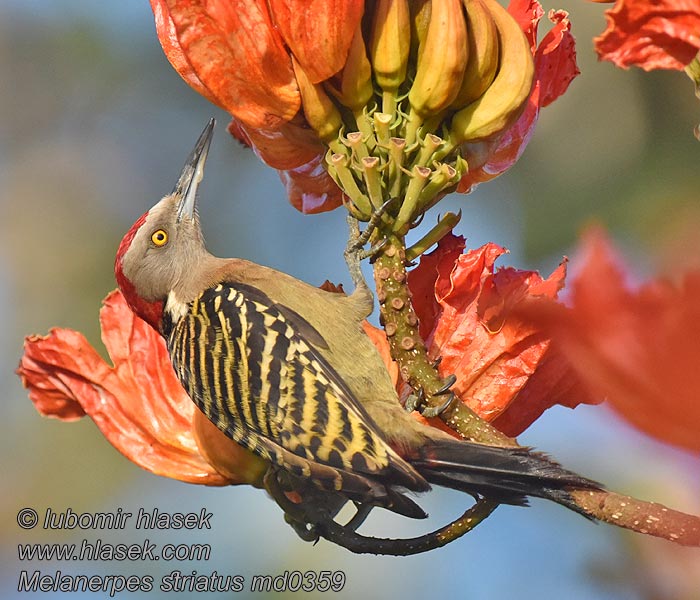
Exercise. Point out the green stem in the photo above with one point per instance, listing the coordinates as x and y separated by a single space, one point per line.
389 101
409 351
365 126
408 212
649 518
361 544
372 177
430 145
413 123
339 162
396 158
382 123
446 224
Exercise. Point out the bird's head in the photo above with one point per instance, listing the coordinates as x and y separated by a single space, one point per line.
165 245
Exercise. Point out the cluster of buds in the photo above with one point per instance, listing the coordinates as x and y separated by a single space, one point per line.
421 79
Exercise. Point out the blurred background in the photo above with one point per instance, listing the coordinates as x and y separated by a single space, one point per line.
94 128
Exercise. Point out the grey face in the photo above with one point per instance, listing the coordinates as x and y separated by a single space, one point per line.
165 251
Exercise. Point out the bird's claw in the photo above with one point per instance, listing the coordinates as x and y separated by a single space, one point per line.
418 401
433 411
358 239
371 252
415 401
447 384
306 531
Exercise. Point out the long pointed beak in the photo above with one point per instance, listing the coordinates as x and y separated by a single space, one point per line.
192 174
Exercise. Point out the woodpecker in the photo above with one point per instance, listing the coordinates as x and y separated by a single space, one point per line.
285 370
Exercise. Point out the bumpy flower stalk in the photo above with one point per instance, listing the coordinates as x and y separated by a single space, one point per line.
408 348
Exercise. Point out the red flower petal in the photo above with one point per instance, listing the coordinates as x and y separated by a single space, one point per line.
430 281
504 365
310 188
555 69
288 147
555 59
651 34
638 348
165 28
554 382
318 32
229 51
528 14
139 405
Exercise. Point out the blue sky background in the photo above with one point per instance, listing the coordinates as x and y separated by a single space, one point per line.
94 127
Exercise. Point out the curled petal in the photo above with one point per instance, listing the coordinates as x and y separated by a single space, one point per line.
51 391
318 32
505 368
554 382
238 131
431 281
138 404
555 59
167 35
528 14
310 189
658 34
230 52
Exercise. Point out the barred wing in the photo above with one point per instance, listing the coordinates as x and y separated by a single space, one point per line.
250 367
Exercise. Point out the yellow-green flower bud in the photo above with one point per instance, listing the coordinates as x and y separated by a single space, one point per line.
355 90
442 60
420 19
390 43
504 100
483 54
319 110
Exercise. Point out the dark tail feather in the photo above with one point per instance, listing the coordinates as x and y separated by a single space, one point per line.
507 475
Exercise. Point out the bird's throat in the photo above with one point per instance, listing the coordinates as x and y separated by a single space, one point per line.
151 312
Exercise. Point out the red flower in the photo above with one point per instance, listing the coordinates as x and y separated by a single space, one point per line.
651 34
507 370
639 348
138 404
555 69
238 54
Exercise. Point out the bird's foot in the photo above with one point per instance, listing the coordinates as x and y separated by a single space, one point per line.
418 401
355 251
306 531
358 239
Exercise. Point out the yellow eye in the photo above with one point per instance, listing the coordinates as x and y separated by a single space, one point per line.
159 237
